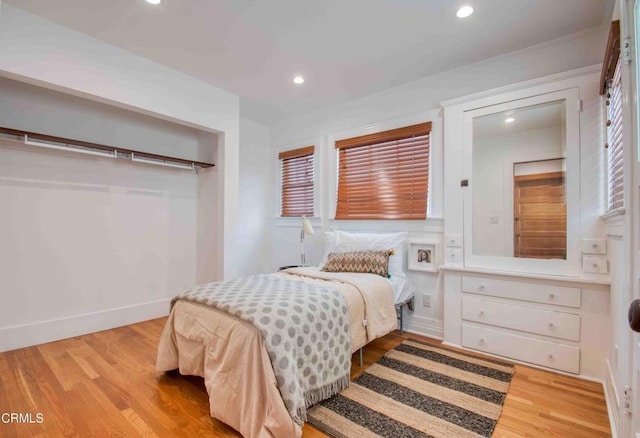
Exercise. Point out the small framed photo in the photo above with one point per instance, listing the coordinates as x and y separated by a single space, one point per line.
423 256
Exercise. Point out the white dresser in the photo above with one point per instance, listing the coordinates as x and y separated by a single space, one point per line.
556 324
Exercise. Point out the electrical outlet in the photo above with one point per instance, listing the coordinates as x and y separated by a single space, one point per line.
594 246
453 255
595 265
453 240
426 300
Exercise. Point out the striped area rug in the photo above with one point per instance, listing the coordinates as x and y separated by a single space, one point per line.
418 390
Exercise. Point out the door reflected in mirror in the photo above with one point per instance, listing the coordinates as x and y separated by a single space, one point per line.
519 204
540 209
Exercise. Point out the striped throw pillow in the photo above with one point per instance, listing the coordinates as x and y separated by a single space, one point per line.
370 262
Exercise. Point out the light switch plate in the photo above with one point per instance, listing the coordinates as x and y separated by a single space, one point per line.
595 265
453 256
453 241
594 246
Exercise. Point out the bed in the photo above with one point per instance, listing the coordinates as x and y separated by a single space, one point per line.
233 357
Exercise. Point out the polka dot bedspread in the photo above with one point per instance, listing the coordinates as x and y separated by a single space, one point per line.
305 327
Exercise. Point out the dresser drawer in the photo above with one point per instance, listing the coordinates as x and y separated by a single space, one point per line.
544 353
527 319
538 293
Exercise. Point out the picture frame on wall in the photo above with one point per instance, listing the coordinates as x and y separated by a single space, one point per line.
422 256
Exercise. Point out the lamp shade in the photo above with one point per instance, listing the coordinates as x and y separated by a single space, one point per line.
306 226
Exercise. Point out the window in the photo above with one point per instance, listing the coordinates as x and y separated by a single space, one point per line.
611 84
296 177
384 175
614 141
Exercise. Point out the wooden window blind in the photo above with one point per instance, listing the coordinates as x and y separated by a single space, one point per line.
384 175
297 182
611 56
614 141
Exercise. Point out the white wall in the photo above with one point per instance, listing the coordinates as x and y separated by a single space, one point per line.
255 198
419 97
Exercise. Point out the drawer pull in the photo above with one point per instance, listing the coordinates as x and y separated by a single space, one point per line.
551 325
482 341
552 297
550 356
481 287
482 313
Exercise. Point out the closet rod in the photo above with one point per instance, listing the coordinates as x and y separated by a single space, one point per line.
113 149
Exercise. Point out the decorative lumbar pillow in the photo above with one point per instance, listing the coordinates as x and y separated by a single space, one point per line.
370 262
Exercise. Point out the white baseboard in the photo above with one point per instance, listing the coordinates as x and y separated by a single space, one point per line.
431 328
12 338
612 400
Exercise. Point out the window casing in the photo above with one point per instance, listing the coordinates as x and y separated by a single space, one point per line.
384 175
297 182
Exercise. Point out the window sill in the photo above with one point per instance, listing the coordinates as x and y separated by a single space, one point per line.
612 214
296 222
614 221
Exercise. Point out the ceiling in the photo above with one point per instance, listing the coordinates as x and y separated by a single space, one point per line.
345 49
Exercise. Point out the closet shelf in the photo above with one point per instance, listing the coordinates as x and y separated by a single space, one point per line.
68 144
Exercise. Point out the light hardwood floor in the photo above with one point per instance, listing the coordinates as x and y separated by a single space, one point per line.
105 384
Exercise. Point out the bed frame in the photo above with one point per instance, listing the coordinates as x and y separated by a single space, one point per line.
410 303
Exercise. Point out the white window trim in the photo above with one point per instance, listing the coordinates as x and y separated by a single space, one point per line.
317 178
436 158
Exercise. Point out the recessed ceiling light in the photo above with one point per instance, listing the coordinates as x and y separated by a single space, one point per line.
298 80
464 11
509 120
154 2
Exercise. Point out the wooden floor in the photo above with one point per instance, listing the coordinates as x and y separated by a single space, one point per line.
105 384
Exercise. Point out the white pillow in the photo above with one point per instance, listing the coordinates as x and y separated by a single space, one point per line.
329 247
345 242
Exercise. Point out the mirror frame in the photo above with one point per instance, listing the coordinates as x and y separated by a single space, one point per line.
572 265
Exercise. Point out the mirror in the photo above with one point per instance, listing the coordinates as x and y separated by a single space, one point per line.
519 201
521 162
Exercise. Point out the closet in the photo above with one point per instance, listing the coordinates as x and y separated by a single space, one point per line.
90 241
